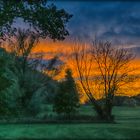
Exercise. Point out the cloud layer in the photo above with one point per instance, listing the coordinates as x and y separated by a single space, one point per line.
118 22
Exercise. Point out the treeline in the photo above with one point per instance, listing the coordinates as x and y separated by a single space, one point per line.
24 87
127 101
24 90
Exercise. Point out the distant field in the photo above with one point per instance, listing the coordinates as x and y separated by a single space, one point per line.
127 126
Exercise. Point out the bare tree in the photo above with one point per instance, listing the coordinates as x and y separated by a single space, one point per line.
21 45
106 66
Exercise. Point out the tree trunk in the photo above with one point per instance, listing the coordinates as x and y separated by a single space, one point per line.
97 108
104 114
108 110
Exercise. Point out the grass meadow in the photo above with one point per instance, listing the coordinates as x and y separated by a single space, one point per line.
127 126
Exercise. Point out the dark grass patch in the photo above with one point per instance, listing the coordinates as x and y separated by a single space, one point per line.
89 128
75 119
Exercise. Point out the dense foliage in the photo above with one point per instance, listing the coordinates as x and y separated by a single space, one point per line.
23 88
22 92
67 98
46 20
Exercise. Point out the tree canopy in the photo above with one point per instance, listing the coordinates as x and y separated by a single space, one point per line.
46 20
67 98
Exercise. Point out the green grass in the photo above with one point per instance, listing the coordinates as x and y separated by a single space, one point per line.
127 126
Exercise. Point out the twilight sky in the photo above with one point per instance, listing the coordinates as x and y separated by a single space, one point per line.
118 22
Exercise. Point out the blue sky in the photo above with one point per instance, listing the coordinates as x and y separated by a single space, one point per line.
118 22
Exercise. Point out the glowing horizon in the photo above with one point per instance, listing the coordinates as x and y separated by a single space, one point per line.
63 50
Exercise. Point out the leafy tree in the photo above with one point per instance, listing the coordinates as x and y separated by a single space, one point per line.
31 86
28 91
4 65
46 20
5 82
43 21
67 99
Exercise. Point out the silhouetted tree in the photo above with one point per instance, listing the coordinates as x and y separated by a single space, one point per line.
67 99
21 46
29 81
102 68
41 21
46 20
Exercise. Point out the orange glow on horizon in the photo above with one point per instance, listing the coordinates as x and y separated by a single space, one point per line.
63 50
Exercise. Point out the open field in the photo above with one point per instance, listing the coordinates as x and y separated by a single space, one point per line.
127 126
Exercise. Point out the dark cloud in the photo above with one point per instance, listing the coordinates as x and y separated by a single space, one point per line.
118 22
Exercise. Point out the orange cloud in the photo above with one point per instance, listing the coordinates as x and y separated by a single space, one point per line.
64 50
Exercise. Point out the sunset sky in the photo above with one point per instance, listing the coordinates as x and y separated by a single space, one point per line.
118 22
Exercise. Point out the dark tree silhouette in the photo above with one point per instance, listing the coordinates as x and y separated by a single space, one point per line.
46 20
112 72
21 46
67 99
41 21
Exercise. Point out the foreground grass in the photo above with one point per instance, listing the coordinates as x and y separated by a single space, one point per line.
127 126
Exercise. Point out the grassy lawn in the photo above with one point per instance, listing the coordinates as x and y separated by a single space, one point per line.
127 126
